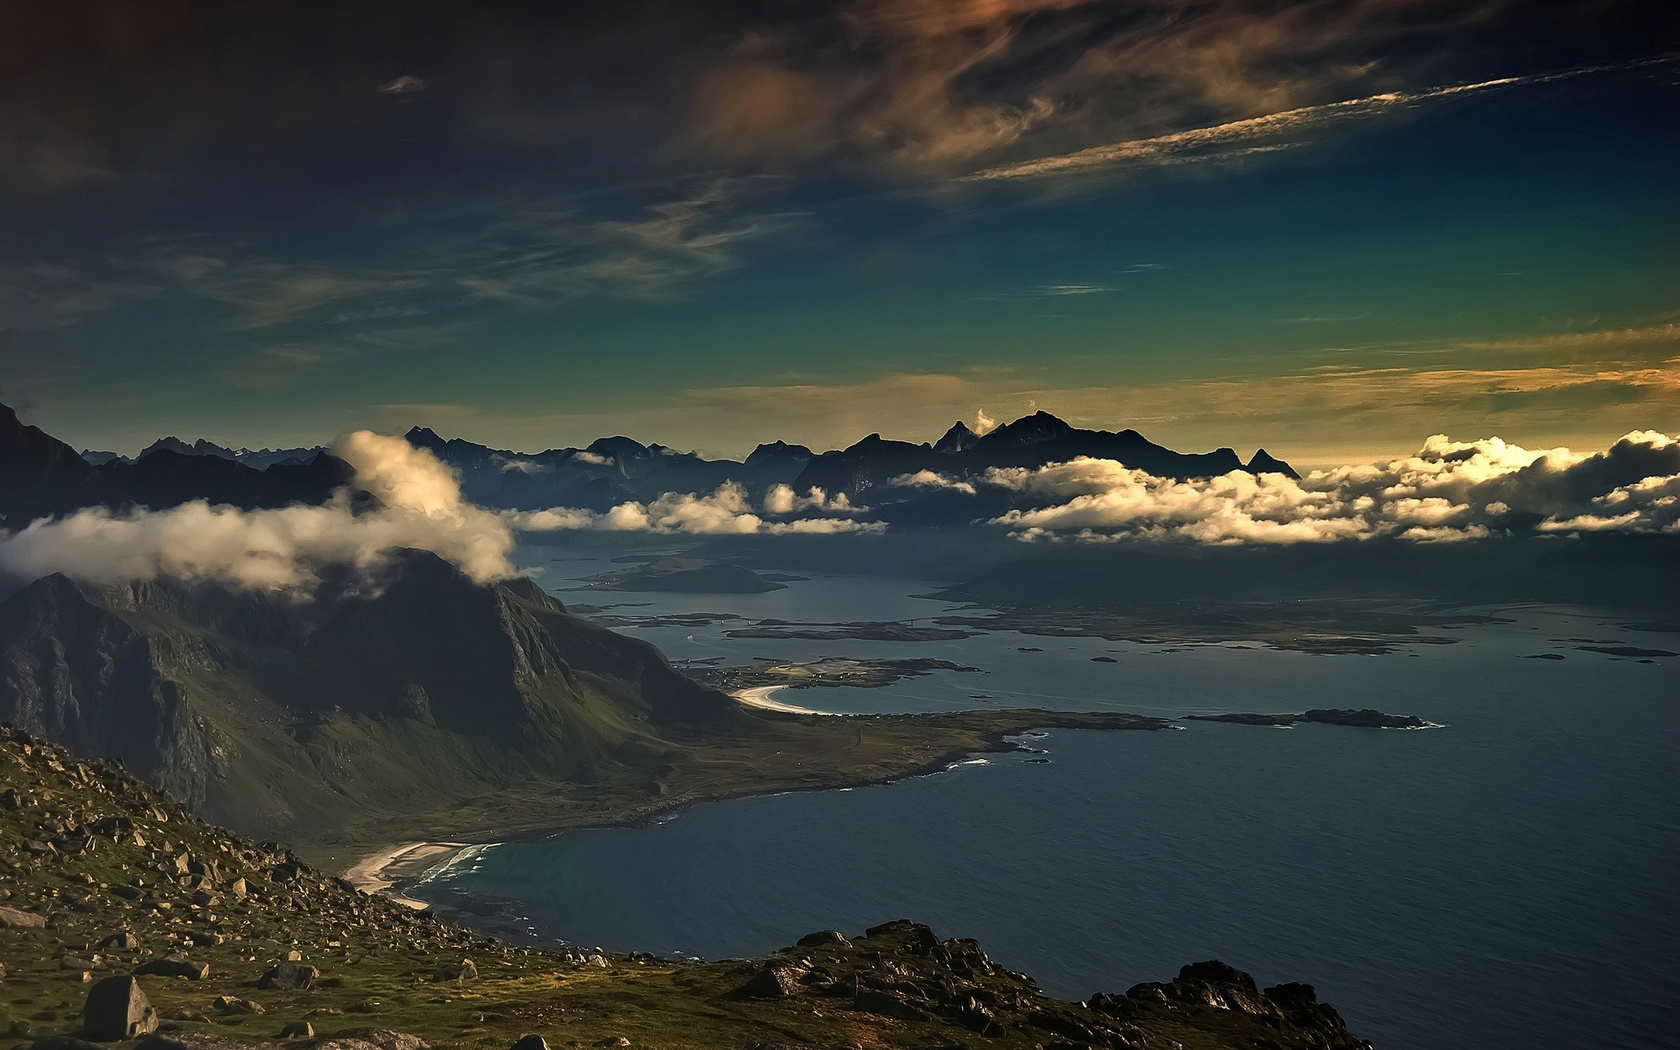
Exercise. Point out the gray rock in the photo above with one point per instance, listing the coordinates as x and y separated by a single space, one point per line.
289 976
27 920
371 1039
887 1004
117 1009
772 981
175 966
232 1004
822 938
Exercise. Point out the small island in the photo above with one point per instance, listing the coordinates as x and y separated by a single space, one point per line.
1367 718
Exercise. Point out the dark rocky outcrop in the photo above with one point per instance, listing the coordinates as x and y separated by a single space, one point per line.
1292 1010
118 1009
175 966
289 976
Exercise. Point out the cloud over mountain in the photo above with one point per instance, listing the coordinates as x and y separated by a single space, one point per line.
1446 491
283 549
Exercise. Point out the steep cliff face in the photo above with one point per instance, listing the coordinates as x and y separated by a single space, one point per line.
269 711
78 672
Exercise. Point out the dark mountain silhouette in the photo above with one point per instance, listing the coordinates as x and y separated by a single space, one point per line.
41 476
29 456
433 677
958 439
1263 462
1031 442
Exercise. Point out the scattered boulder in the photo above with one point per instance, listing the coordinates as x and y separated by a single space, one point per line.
289 976
884 1003
117 1008
774 980
175 966
25 920
232 1004
921 939
823 938
370 1039
184 1013
122 940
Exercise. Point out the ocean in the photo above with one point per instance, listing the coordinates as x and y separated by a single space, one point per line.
1507 879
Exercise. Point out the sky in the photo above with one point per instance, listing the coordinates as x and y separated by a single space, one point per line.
1331 229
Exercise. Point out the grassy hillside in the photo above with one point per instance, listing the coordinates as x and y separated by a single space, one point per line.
432 707
101 877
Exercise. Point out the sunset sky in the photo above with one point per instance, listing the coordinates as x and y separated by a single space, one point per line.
1331 229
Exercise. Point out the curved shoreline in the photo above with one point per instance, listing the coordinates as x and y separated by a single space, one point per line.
759 697
393 869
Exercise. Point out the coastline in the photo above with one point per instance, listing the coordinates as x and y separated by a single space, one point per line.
759 697
390 869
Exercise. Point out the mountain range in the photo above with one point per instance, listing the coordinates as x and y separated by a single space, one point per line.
612 470
41 475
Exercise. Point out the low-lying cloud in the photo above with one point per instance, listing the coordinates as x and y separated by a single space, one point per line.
728 511
284 549
1446 491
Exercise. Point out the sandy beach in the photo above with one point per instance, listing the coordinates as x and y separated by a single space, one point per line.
383 871
759 696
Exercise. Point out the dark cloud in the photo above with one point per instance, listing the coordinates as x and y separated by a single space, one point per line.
96 92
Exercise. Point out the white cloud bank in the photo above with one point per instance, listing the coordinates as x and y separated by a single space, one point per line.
725 512
1446 491
281 549
420 506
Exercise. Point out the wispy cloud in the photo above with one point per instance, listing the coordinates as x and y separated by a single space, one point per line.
1259 134
521 249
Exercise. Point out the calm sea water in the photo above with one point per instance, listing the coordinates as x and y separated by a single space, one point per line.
1509 880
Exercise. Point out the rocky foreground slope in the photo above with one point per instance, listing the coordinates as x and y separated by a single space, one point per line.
123 918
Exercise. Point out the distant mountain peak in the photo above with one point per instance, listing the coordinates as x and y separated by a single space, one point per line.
619 448
1030 430
1263 462
201 447
958 439
776 452
29 456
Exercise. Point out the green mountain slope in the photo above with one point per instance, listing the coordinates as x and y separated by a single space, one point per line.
235 944
428 706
